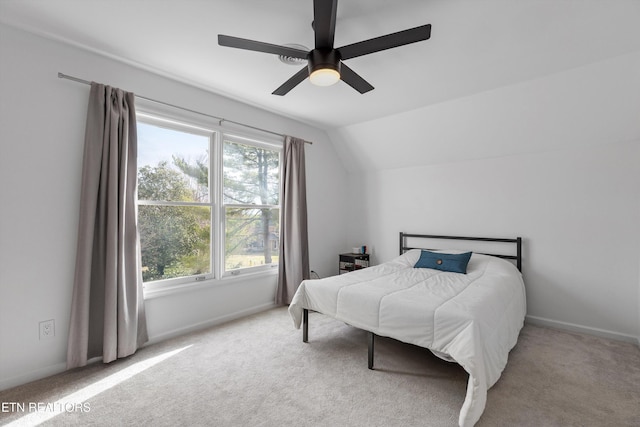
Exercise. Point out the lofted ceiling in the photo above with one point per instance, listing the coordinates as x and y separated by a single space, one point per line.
475 45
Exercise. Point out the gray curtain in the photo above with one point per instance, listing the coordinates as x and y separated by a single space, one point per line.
107 312
293 265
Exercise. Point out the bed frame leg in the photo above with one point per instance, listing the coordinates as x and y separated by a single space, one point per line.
305 325
370 338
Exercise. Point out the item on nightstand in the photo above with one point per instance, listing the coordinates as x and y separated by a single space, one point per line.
352 261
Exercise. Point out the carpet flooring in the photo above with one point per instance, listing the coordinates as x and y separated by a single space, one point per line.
256 371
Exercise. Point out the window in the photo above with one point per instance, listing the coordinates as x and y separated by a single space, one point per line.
208 202
251 204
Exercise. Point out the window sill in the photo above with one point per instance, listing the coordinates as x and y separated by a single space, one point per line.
230 277
179 288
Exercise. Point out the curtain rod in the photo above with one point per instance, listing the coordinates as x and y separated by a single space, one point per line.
220 119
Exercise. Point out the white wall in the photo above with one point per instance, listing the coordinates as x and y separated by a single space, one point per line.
42 122
555 160
574 209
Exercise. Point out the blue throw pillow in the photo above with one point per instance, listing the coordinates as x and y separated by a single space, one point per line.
456 263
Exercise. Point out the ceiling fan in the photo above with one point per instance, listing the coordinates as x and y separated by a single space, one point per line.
325 66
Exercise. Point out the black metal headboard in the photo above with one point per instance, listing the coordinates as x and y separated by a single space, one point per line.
518 242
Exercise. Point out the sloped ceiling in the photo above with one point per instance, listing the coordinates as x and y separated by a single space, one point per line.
476 46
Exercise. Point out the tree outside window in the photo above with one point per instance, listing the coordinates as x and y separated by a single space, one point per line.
251 199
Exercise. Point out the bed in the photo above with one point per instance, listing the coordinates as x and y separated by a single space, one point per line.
472 318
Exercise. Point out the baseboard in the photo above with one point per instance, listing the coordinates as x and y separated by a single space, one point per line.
211 322
572 327
28 377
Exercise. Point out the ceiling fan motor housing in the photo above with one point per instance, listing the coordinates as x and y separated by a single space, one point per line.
324 58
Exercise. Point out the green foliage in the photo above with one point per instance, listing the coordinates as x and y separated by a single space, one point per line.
162 183
174 239
251 174
199 171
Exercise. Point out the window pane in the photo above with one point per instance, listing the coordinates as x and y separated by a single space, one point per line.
251 174
252 237
172 165
175 241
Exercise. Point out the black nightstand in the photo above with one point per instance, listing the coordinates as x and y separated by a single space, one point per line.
351 262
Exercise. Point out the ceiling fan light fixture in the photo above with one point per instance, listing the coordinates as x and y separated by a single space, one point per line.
324 77
324 67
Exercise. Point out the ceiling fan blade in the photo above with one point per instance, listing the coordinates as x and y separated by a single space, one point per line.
389 41
324 22
351 78
247 44
292 82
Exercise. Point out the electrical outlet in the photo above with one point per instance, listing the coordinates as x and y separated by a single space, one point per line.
47 329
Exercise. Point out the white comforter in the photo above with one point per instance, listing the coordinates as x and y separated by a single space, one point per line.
474 319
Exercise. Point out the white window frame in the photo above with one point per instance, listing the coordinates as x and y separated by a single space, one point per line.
192 123
263 143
